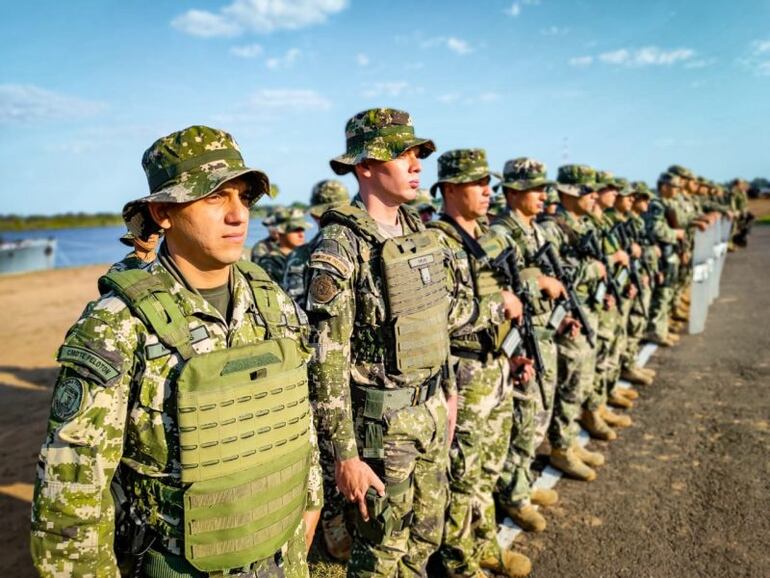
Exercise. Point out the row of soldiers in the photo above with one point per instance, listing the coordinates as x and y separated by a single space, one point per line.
402 379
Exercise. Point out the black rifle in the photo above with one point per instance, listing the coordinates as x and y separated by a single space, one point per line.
620 232
505 265
550 263
589 246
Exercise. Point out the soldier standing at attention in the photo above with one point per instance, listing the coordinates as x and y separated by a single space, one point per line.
485 389
269 243
378 304
325 195
524 188
143 251
291 227
164 452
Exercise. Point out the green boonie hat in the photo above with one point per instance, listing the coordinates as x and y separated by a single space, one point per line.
640 189
624 189
552 195
381 134
186 166
326 194
462 166
422 201
576 180
289 220
681 171
523 174
670 179
498 204
127 239
606 180
276 215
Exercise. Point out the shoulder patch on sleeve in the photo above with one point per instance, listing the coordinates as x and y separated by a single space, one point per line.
97 364
67 399
328 252
323 288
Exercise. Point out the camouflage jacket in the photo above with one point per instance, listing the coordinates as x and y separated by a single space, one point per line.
658 228
347 309
528 240
113 404
274 262
296 270
262 248
585 271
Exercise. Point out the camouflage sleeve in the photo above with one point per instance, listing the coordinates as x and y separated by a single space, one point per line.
331 307
315 494
73 515
273 266
463 307
657 225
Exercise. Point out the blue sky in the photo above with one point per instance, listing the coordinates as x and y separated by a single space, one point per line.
87 86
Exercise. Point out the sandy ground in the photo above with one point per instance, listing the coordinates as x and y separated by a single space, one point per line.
685 491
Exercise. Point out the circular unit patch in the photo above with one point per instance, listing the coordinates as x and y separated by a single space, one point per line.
323 288
67 399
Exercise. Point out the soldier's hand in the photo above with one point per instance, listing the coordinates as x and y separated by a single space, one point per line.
702 226
660 278
602 269
658 252
679 234
354 477
609 302
631 291
621 257
522 368
636 250
512 306
451 403
310 518
570 327
552 287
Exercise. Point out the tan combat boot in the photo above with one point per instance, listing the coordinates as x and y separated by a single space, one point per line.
616 399
337 539
614 419
568 462
627 392
649 371
543 497
526 517
657 340
596 426
673 338
589 458
510 564
636 375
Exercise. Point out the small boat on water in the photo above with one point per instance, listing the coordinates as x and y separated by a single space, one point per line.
26 255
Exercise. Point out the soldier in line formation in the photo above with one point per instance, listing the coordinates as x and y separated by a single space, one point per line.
432 356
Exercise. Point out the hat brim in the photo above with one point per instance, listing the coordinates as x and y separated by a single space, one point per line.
141 224
575 190
317 211
468 178
522 186
344 164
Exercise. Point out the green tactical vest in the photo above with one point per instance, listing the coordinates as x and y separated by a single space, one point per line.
243 419
414 283
486 282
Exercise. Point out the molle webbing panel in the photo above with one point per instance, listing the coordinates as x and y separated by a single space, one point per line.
244 421
413 269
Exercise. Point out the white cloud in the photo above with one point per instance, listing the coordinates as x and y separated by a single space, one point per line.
257 16
284 61
456 45
761 46
247 51
362 59
758 59
647 56
514 10
700 63
392 88
489 97
554 31
302 100
581 61
24 102
449 97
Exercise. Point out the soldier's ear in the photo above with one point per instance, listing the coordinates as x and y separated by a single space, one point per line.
160 214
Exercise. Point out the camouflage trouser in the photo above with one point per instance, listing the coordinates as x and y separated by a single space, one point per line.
414 440
660 309
619 346
334 502
530 425
476 460
576 363
292 563
637 323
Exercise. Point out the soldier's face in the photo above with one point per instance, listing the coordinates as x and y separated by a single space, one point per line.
623 204
470 200
208 233
586 203
530 202
641 205
393 181
606 198
293 239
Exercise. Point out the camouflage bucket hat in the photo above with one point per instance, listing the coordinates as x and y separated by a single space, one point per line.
381 134
327 194
641 190
576 180
552 197
462 166
498 204
606 180
291 220
186 166
127 239
623 186
681 171
524 174
668 178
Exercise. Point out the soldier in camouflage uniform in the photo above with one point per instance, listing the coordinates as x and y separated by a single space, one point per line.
423 204
660 231
269 243
485 389
738 198
325 195
143 251
291 227
167 412
524 186
576 185
382 387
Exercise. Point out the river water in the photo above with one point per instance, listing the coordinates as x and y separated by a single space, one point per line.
92 245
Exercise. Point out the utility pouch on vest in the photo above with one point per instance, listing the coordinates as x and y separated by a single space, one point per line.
244 419
382 520
413 269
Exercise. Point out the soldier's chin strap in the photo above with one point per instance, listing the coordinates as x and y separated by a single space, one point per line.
471 245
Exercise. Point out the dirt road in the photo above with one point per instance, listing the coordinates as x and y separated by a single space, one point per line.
686 491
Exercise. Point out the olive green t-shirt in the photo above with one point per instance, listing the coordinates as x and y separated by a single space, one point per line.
218 298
